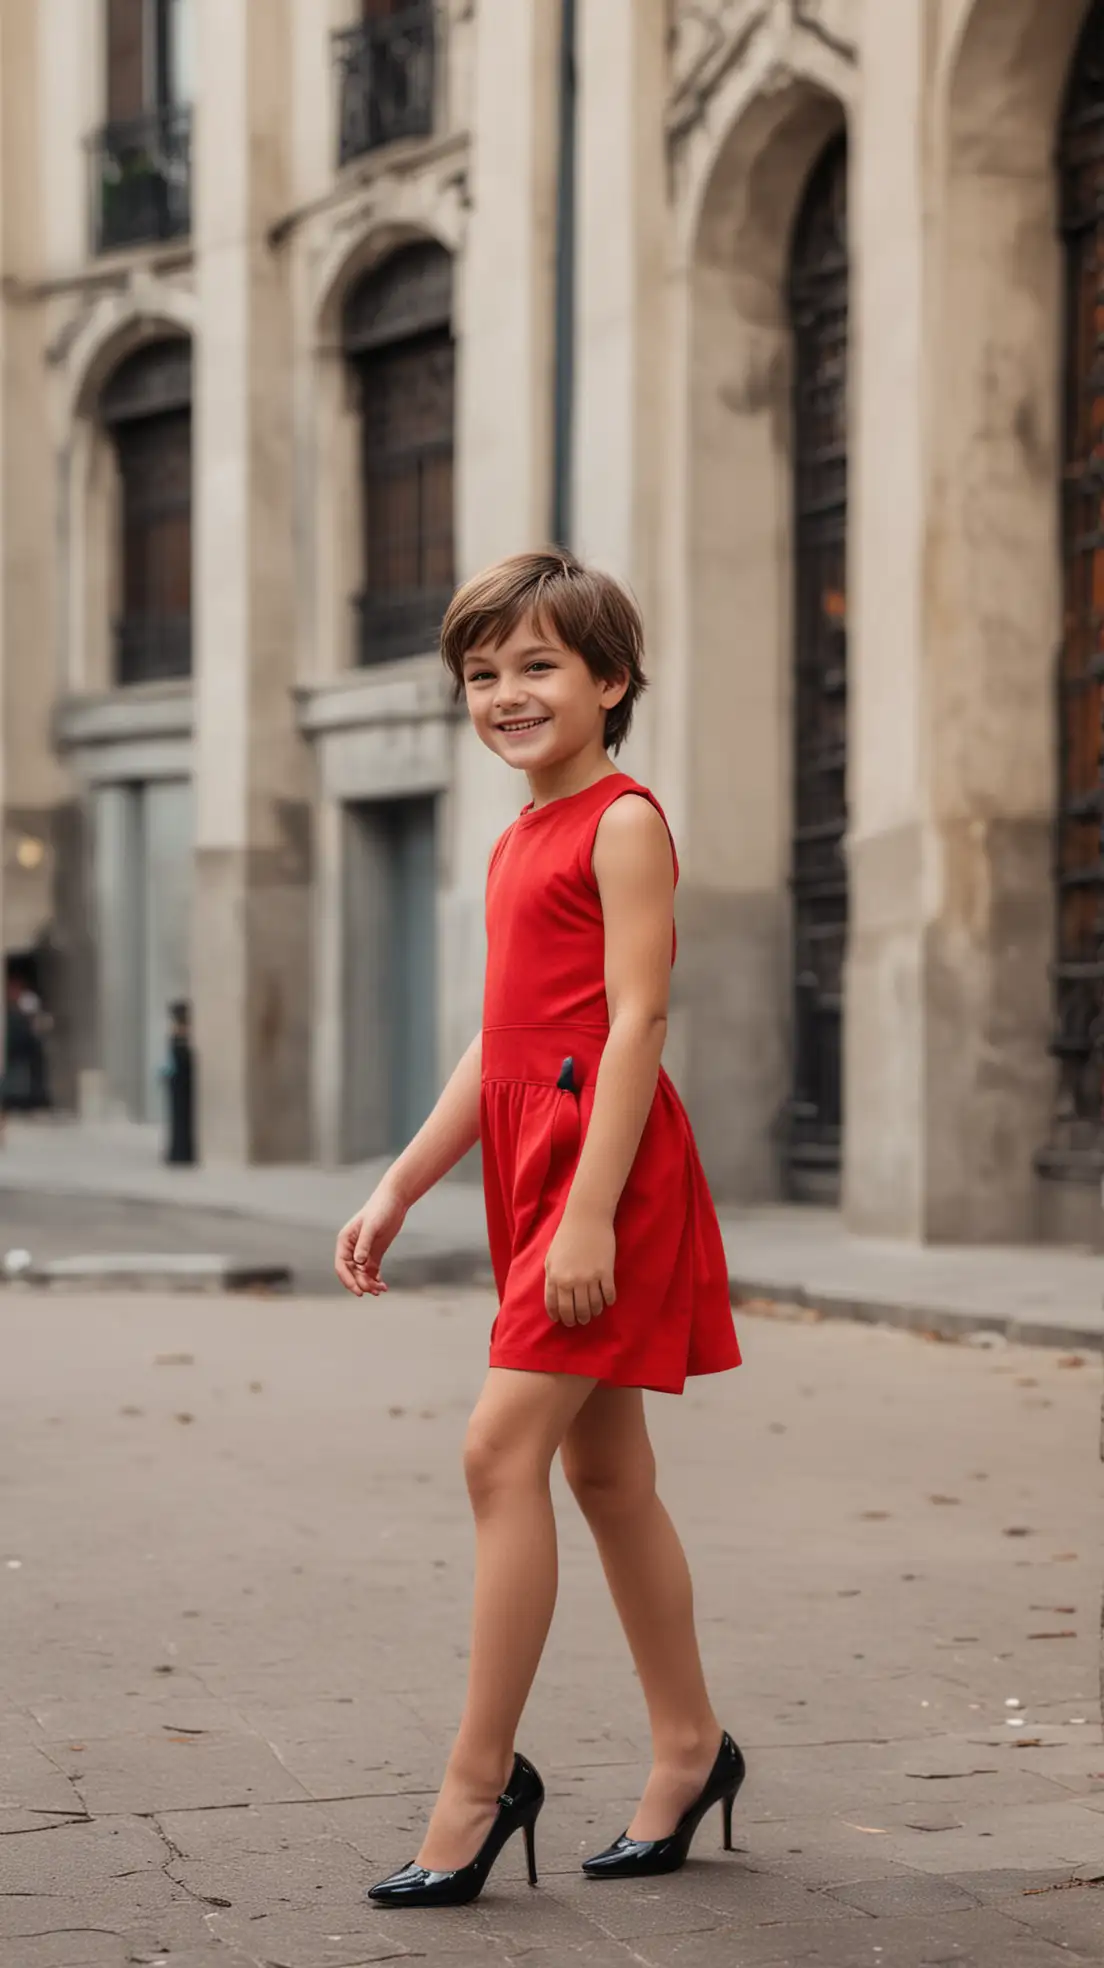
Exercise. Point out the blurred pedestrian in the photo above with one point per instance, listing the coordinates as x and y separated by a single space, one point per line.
24 1087
179 1079
607 1253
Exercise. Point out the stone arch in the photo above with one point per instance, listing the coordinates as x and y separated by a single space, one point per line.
730 634
113 332
114 328
332 468
994 617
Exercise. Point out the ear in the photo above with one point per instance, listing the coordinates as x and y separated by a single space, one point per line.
611 693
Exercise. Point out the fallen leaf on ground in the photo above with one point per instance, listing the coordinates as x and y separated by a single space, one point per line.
175 1360
874 1516
1071 1360
1067 1633
1018 1531
184 1417
943 1499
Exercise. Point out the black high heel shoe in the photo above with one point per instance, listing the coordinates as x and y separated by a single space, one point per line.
637 1858
519 1808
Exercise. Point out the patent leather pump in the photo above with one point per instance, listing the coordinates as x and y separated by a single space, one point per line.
518 1810
638 1858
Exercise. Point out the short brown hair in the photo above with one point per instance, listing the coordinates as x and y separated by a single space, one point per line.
588 611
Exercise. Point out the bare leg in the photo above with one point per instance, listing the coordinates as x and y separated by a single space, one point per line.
518 1424
608 1461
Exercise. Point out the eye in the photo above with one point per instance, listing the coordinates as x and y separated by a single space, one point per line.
540 663
478 676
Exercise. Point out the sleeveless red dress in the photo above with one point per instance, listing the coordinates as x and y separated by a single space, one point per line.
545 1006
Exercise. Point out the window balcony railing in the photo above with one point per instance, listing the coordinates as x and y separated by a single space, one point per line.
142 179
386 79
387 627
153 648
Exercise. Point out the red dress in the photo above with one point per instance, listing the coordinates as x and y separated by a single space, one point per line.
545 1005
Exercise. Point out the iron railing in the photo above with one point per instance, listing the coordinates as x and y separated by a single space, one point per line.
153 648
386 69
387 627
142 179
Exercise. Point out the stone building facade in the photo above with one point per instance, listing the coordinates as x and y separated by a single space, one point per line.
784 310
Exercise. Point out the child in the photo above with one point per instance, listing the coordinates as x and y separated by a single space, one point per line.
607 1255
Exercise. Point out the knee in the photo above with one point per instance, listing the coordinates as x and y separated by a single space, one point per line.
495 1463
606 1493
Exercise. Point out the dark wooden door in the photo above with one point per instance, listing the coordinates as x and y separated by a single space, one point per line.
1079 971
819 313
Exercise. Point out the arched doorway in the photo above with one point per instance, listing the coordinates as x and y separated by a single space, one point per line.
1079 969
397 333
818 294
146 409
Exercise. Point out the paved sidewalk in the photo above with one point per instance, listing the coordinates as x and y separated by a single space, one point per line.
792 1255
234 1579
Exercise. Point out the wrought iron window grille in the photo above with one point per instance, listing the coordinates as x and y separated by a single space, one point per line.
142 179
386 68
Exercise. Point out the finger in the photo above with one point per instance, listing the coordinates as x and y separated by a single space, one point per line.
608 1288
565 1304
343 1262
596 1299
551 1299
581 1299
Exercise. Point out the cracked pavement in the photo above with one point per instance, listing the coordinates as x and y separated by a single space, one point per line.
234 1568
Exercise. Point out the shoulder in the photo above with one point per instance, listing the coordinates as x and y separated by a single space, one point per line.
632 816
632 837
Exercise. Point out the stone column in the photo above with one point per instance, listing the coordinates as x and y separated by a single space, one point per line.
621 216
504 452
253 823
884 1032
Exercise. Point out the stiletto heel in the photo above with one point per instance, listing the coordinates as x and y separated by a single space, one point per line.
634 1858
519 1807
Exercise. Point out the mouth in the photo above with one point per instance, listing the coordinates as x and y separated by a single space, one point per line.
520 726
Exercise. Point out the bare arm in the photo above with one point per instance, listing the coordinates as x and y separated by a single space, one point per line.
442 1141
635 876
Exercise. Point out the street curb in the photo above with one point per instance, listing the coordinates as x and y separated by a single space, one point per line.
945 1324
143 1271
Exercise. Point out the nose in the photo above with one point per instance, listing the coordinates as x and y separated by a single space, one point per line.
509 692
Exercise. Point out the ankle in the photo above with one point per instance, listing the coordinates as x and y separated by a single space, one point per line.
687 1745
480 1773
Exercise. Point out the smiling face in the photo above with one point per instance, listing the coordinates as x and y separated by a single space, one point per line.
535 703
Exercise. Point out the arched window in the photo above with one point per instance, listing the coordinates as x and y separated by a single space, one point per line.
819 311
146 406
398 338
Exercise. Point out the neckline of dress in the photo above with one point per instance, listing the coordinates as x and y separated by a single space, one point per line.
531 812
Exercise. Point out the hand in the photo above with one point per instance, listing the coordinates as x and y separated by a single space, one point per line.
364 1240
578 1271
